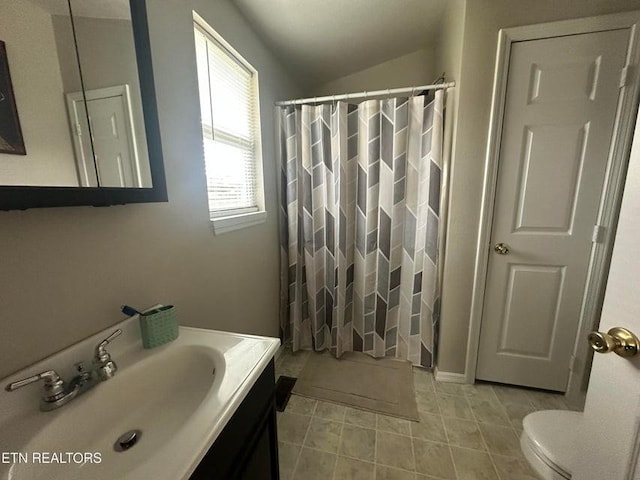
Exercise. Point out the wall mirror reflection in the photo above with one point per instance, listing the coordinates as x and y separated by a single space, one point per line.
107 55
76 90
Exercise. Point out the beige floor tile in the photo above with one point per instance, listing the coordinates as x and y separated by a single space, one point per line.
301 405
482 391
292 427
501 440
287 456
330 411
454 406
323 435
288 371
464 433
448 443
429 427
394 425
489 411
358 443
360 418
517 411
314 465
298 358
427 402
511 468
352 469
422 380
450 388
473 465
292 364
394 451
511 395
389 473
433 459
547 401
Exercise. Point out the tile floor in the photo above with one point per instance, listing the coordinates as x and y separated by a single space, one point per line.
466 432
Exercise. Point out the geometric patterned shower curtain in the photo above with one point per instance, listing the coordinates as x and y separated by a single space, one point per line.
360 213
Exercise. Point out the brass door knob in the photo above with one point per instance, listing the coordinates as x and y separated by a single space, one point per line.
618 340
501 248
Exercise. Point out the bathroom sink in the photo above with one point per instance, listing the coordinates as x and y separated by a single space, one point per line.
155 396
177 398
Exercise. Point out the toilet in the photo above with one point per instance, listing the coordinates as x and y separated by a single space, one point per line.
548 440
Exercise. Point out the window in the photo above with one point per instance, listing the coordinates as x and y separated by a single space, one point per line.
228 87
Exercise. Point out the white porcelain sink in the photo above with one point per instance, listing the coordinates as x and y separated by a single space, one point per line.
179 396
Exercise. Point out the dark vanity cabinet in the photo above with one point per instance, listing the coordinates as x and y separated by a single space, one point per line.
247 448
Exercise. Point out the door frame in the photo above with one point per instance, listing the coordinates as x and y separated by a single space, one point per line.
611 196
75 99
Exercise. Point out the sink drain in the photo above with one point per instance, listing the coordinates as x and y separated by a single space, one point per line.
127 440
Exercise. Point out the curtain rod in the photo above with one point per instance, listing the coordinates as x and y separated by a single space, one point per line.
365 94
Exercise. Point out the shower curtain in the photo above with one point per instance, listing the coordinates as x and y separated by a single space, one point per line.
360 214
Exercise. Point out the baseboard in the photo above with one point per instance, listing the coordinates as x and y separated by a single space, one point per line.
450 377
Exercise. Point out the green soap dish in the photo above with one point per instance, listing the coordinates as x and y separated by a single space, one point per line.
159 326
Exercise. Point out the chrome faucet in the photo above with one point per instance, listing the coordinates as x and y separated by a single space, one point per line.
104 367
56 394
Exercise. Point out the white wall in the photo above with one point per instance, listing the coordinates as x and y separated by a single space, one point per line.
449 60
415 68
66 271
483 19
27 31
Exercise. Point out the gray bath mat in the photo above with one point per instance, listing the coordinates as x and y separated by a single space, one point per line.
380 385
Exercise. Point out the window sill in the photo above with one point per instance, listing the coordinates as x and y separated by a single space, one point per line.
236 222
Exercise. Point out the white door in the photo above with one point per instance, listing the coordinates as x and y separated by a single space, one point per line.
560 106
608 444
83 150
114 157
111 142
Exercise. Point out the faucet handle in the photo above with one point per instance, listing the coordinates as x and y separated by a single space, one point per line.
101 353
53 384
107 340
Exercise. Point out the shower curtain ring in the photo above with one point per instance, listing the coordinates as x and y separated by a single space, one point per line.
366 95
388 94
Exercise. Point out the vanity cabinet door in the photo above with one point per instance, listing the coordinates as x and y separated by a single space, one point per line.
247 448
262 462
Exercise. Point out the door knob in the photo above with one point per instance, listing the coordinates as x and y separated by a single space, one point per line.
501 248
618 340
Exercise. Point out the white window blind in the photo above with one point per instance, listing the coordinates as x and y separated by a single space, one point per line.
228 104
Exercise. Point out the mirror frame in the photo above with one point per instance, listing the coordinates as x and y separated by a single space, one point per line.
17 197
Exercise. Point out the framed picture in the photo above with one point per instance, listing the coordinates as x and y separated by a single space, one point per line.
11 140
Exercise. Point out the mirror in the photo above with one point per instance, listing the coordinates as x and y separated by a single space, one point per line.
78 116
35 141
115 129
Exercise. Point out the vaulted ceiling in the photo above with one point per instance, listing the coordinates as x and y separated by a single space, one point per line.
321 40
